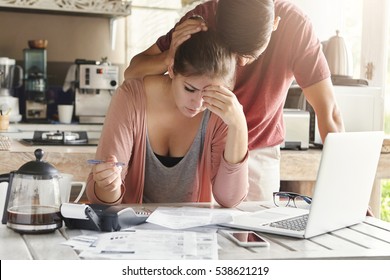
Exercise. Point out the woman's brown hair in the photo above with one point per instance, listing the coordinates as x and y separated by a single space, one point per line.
205 54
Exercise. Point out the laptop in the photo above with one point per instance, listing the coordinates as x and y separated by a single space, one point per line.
341 194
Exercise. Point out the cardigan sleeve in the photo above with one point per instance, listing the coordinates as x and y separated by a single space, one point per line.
229 181
117 135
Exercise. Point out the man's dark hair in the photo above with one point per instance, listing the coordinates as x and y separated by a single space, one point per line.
245 25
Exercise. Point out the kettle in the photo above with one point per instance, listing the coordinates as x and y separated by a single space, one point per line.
33 197
7 69
338 56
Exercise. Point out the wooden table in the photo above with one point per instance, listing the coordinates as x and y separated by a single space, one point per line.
369 240
302 166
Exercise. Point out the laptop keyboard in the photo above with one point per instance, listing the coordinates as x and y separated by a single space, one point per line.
296 223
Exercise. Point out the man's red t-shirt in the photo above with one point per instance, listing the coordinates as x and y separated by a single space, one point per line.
294 51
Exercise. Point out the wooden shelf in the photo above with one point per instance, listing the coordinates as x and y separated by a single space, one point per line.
105 8
111 9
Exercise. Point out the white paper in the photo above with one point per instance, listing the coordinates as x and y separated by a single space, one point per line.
189 217
82 242
153 244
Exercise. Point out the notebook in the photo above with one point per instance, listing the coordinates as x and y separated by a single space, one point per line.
342 191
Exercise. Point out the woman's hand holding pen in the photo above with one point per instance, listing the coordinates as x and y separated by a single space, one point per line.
107 177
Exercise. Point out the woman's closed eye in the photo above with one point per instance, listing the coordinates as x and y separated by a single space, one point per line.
190 89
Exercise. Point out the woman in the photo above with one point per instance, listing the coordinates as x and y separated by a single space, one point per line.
183 136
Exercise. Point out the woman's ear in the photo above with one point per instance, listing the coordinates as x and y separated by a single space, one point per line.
170 71
276 23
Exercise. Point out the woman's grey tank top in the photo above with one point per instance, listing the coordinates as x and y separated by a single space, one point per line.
174 184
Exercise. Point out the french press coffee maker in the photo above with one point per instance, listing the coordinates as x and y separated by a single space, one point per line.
33 197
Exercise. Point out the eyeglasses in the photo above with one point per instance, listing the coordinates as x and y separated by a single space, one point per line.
284 199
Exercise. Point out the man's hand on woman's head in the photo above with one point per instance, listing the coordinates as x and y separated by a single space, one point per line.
182 33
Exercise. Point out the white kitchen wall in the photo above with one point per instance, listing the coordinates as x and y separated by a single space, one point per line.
69 36
343 15
330 15
150 19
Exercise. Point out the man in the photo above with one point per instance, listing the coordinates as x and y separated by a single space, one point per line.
276 44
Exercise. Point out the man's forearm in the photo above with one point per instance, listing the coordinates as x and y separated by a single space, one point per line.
144 64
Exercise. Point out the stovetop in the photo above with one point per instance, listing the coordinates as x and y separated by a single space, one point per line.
61 138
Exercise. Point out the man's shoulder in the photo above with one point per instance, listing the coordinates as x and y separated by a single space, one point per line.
207 6
286 8
207 10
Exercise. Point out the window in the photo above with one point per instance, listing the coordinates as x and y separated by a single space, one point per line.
364 25
151 19
387 93
146 24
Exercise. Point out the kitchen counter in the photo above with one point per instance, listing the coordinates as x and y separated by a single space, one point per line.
18 147
67 159
26 130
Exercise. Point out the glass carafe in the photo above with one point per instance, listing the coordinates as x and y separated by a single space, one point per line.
34 197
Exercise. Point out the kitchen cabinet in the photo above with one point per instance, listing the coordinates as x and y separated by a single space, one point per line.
109 8
112 9
361 107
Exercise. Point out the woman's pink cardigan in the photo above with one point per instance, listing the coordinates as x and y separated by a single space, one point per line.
124 135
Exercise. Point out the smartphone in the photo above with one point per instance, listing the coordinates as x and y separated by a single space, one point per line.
246 238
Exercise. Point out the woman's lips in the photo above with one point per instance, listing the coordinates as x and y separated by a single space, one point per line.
193 111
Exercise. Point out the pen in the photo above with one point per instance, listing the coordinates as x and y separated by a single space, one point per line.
97 161
116 252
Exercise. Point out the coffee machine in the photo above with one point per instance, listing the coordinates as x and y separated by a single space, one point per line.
8 83
35 83
95 84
